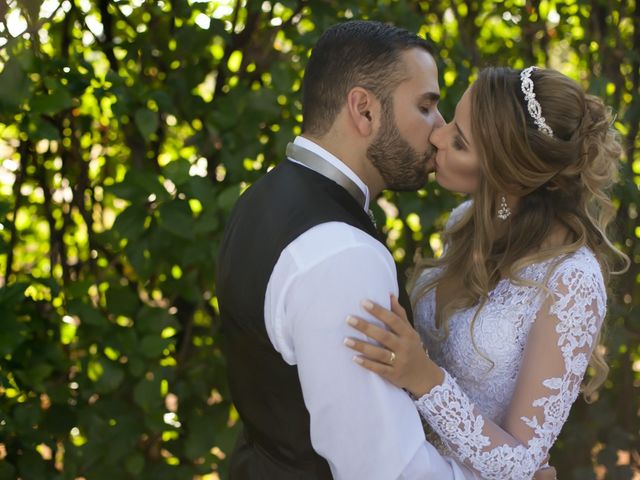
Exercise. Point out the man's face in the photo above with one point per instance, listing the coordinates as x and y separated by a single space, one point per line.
401 150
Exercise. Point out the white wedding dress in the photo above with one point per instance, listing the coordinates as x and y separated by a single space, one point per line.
508 389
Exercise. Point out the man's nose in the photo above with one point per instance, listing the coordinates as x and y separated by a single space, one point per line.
436 134
439 120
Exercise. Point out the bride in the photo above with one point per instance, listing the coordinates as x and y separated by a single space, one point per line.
511 313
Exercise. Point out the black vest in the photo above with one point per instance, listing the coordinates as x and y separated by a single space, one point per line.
289 200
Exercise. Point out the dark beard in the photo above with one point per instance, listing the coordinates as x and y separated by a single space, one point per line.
399 164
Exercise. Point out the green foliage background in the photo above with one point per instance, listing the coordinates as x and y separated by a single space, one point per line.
128 129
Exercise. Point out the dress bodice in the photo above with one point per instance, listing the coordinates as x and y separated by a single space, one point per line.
485 359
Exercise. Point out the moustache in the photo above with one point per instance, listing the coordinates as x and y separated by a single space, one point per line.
431 152
430 158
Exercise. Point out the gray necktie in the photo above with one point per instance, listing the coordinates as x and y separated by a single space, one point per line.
325 168
318 164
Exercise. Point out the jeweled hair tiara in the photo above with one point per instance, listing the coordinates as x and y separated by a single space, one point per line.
533 106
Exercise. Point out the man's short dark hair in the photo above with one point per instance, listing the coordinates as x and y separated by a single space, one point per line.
355 53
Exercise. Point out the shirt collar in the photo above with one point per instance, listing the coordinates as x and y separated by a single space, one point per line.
340 165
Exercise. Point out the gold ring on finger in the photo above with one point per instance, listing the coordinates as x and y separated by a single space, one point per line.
392 358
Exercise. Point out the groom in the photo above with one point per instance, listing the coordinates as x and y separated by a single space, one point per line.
299 254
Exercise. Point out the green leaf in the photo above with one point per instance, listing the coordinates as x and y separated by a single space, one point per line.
87 313
228 198
44 130
200 188
177 218
264 104
188 287
130 223
7 471
26 415
59 419
140 259
111 378
633 113
153 320
12 294
52 102
123 440
35 375
200 439
124 339
194 255
204 429
121 300
165 104
137 185
151 346
134 464
137 365
31 465
67 333
146 393
146 121
207 222
12 334
94 370
178 171
14 85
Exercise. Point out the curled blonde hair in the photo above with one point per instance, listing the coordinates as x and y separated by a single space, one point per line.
561 179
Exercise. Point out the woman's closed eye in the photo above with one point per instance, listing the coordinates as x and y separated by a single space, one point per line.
457 143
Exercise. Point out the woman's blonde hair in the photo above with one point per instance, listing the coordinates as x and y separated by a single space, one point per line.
559 179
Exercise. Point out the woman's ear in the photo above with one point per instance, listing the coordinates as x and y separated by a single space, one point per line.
363 109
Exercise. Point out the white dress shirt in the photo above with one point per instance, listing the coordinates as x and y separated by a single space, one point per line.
365 427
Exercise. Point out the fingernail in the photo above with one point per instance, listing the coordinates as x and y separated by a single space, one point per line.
352 321
348 342
357 359
366 304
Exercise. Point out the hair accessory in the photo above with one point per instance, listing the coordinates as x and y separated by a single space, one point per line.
504 211
533 106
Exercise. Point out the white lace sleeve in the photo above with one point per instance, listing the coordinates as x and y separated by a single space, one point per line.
555 359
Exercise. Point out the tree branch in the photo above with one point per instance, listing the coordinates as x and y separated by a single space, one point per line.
55 236
107 24
23 149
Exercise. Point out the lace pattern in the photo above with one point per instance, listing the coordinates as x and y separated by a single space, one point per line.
503 402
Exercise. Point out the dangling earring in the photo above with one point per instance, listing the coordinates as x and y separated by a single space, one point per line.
504 211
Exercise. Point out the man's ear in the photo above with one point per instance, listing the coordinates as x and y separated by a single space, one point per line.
363 109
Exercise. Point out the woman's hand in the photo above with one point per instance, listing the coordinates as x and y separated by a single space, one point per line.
547 473
401 358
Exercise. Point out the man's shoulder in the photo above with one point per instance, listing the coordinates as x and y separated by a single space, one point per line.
332 239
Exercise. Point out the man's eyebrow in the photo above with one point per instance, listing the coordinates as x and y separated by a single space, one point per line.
461 134
430 96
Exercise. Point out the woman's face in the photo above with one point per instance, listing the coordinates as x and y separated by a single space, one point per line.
456 164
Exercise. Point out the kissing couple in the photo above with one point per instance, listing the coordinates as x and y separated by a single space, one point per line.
333 375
